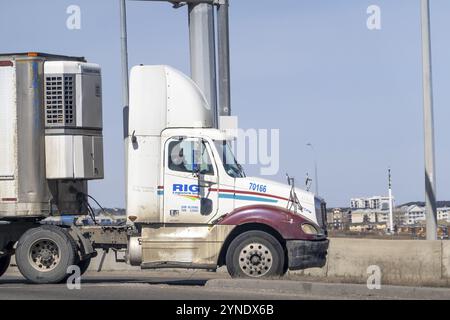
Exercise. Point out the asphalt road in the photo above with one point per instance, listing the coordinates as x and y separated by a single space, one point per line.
133 286
196 285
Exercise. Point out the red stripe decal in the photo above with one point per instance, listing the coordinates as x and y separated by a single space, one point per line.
160 187
248 192
9 199
6 63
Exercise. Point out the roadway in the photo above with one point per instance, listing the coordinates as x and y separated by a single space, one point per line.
195 285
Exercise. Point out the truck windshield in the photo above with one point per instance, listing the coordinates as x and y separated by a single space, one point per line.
231 166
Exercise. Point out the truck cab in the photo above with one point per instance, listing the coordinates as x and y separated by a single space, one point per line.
188 194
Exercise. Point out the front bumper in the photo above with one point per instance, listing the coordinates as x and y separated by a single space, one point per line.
303 254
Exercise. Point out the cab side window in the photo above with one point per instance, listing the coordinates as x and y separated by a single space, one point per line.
182 155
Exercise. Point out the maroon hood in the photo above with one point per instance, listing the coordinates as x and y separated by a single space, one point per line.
286 222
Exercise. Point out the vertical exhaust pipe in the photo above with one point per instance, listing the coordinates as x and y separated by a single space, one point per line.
215 84
223 54
203 52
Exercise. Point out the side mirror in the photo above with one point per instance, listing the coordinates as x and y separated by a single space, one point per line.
206 206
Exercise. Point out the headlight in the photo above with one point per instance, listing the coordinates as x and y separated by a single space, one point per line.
309 229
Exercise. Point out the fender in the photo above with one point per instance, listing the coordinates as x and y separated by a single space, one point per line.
286 222
86 248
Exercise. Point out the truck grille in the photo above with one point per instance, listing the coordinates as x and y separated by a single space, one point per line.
321 213
59 100
324 216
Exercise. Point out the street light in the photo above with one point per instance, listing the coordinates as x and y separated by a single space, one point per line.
391 214
430 177
316 182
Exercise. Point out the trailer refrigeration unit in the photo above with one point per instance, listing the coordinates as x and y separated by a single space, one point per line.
189 203
50 146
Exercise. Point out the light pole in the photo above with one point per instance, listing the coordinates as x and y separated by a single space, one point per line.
125 84
391 214
430 178
316 182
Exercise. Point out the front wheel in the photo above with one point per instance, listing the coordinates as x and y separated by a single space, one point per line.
255 254
4 263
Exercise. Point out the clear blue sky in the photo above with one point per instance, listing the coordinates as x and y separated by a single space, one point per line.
308 67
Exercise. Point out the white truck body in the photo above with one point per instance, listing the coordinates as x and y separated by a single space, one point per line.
166 105
160 97
186 191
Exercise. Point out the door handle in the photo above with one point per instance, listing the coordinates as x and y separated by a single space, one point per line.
206 184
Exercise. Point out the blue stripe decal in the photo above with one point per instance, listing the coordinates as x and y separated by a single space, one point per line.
247 198
236 197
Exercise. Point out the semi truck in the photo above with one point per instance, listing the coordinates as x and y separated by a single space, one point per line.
189 203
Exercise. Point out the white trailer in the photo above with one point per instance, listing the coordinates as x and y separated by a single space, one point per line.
50 146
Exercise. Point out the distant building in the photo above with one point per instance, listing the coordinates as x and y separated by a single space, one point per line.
370 210
374 203
338 218
415 214
358 217
110 216
444 214
369 216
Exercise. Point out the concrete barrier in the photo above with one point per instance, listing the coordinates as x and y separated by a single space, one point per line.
401 262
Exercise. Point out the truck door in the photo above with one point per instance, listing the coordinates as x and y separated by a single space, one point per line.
189 173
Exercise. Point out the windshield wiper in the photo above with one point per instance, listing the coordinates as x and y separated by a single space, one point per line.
241 169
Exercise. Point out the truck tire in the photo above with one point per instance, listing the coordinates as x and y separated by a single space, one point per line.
255 254
84 265
43 254
4 263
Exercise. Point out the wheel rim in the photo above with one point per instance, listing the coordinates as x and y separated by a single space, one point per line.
44 255
255 260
